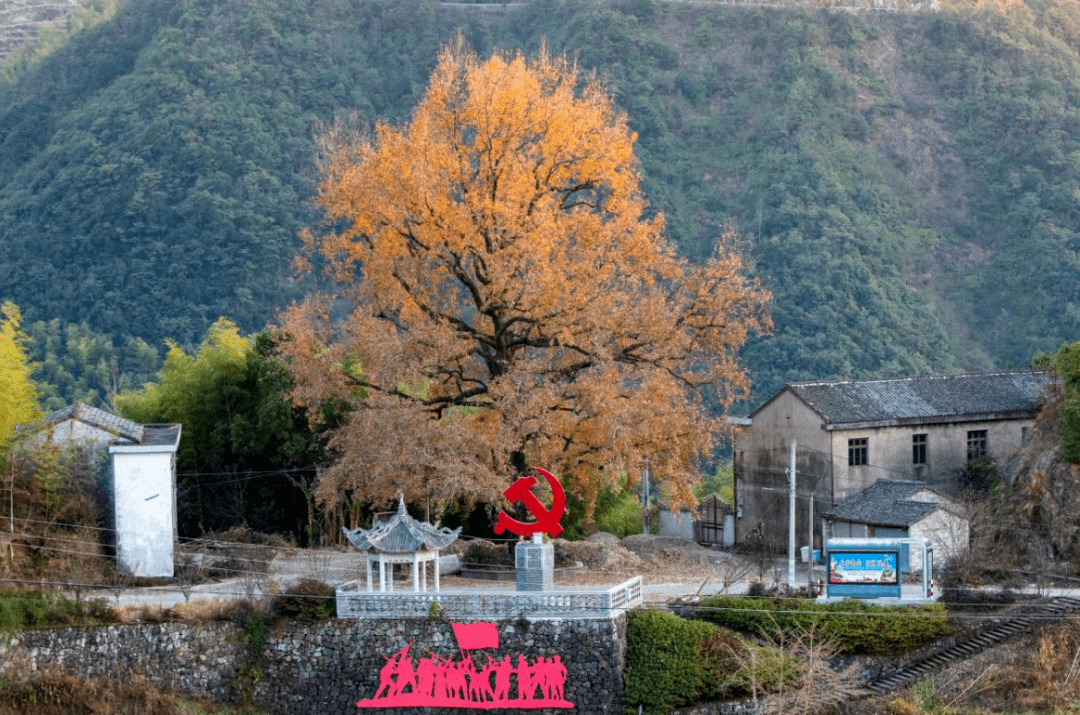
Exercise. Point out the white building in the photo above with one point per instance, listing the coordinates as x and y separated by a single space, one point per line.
140 480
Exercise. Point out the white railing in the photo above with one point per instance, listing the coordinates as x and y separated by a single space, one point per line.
354 601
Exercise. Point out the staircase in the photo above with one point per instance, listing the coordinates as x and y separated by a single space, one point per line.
977 641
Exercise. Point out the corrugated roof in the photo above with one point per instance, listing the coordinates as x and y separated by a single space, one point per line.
401 535
925 398
887 502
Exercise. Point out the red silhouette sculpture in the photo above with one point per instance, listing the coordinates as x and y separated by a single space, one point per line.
547 520
442 682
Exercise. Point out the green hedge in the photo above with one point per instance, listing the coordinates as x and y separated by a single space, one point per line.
855 626
665 666
671 661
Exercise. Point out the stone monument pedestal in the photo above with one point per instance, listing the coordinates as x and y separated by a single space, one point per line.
535 565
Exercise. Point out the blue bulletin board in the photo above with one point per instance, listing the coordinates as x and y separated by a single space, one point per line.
864 574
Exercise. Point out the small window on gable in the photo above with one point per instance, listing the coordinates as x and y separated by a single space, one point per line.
857 451
976 445
918 449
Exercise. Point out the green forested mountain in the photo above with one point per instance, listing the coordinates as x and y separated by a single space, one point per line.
907 184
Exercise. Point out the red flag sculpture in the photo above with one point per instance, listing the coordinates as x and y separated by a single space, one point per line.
435 681
475 636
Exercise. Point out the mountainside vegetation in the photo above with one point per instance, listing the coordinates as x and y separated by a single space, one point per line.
905 184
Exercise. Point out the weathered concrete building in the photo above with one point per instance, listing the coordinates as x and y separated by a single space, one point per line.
851 434
139 480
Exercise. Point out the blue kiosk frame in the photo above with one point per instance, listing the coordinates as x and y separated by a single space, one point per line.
874 568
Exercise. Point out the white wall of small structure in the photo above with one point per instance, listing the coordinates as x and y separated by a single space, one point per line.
948 533
76 432
680 525
145 510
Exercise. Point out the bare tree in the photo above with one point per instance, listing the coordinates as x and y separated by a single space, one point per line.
732 569
190 570
793 674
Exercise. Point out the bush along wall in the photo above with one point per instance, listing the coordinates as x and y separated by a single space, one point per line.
856 627
672 661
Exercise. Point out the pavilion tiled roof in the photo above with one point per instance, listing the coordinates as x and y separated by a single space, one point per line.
401 535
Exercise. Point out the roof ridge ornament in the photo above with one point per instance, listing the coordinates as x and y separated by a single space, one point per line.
401 534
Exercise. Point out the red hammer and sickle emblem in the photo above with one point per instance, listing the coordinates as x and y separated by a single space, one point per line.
547 520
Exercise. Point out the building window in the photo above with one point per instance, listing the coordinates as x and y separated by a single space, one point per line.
918 449
976 443
857 451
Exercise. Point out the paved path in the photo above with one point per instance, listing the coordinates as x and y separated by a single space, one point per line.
339 567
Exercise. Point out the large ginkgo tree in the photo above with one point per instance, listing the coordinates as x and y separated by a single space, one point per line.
504 298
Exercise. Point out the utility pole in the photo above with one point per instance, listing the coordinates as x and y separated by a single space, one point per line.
810 549
791 520
645 499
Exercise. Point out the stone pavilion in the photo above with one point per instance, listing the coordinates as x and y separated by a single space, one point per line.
402 540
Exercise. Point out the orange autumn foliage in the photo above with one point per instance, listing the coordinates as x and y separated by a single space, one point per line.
511 304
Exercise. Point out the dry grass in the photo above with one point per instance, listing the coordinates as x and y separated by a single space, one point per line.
55 555
58 694
1037 673
195 612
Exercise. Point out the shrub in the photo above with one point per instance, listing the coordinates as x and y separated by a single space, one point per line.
20 610
855 626
671 661
665 663
619 514
307 600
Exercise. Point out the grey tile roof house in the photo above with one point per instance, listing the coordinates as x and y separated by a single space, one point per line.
852 434
82 422
919 400
139 479
887 502
901 508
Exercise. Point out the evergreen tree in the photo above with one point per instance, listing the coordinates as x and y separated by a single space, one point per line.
245 454
18 396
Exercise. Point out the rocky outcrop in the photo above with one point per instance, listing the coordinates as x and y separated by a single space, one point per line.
21 21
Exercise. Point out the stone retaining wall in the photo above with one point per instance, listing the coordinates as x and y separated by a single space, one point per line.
323 667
